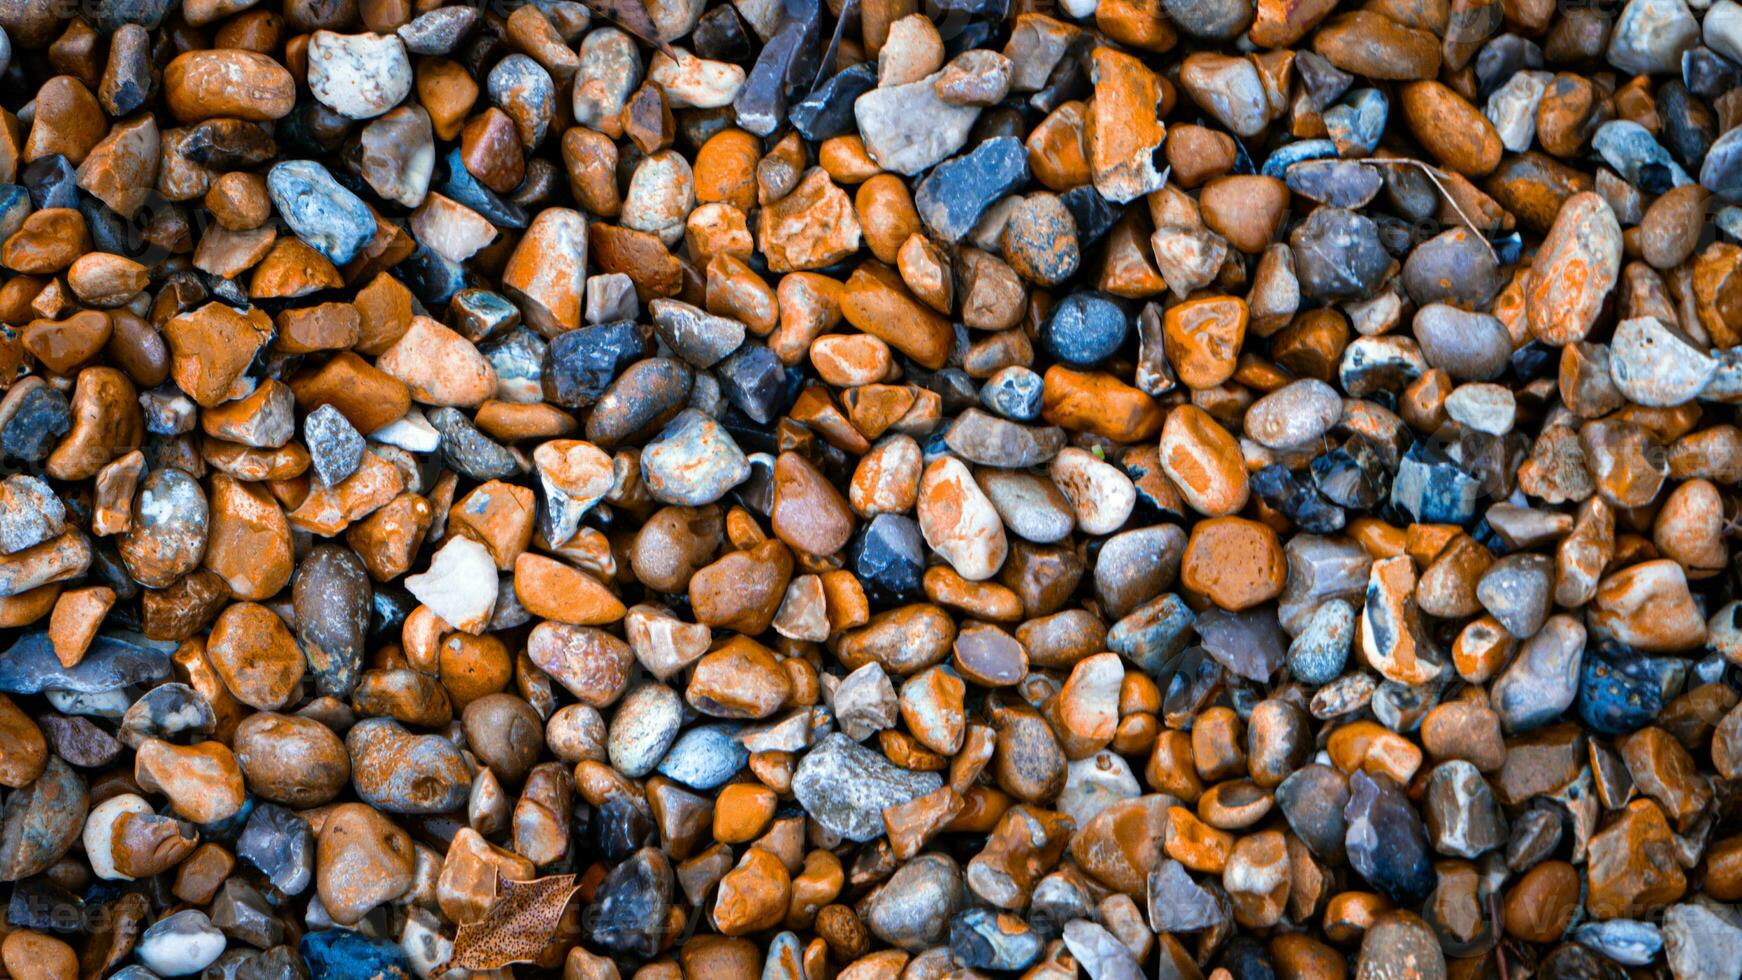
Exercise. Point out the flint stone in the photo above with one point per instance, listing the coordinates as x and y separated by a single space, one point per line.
845 787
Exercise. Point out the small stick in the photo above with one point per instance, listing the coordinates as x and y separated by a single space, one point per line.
1434 175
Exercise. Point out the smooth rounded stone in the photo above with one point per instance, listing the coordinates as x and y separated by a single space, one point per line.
290 760
693 462
1014 392
1338 183
1221 20
281 845
987 440
986 940
1040 240
1399 945
1543 678
1455 267
397 771
1518 591
168 536
1101 496
505 733
1294 415
79 742
1338 255
331 219
645 396
359 76
704 758
1654 364
180 944
1385 841
959 522
845 787
1135 566
41 821
1466 345
1084 329
912 910
1651 35
1318 653
643 729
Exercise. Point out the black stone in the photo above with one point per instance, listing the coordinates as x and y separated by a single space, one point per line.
229 144
1689 128
331 596
982 939
1338 256
281 845
580 364
1084 329
464 188
1298 500
106 16
787 61
171 712
470 452
114 660
431 277
887 555
628 915
33 431
827 111
1501 58
52 182
1708 74
40 904
1385 840
622 829
754 381
1325 83
720 35
1620 691
958 191
1094 214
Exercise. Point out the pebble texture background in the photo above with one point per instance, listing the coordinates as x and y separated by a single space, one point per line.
870 490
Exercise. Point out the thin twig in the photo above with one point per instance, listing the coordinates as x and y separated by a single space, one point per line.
1434 175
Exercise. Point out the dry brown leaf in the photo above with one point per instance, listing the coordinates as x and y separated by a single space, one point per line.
518 926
